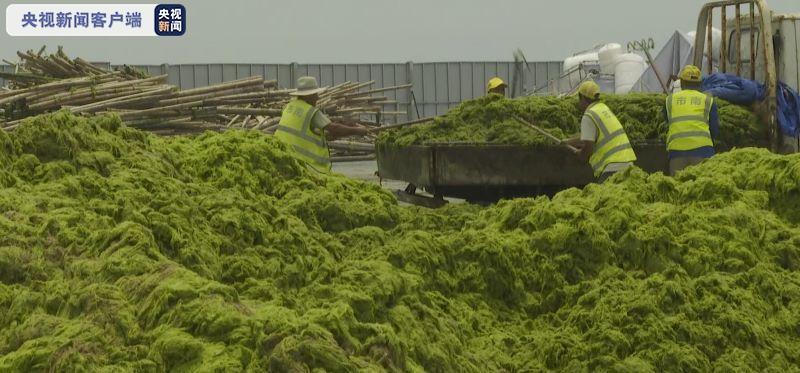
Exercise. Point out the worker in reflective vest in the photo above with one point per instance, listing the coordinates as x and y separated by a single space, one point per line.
306 130
497 86
693 122
603 140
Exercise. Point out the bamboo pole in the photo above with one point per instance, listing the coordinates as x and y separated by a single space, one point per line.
270 122
181 97
248 111
160 110
125 100
382 113
356 109
253 80
404 124
352 87
89 66
85 97
235 118
547 134
90 92
246 119
378 90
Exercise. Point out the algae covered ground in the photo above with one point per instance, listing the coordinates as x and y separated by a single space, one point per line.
122 251
489 119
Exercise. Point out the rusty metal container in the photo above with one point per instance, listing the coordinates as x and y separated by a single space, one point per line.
488 172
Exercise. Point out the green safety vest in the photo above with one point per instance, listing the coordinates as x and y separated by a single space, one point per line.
612 144
688 112
295 130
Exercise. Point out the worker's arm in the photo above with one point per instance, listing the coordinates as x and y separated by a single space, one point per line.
713 121
585 142
334 131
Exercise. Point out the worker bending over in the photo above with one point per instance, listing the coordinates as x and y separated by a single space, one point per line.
693 122
603 140
306 130
496 85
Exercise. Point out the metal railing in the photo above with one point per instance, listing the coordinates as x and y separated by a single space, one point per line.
758 21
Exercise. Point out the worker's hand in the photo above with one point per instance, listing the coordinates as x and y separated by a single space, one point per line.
570 141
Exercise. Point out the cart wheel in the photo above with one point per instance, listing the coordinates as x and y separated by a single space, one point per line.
411 189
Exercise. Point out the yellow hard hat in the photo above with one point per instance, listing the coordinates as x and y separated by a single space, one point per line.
589 89
690 73
494 83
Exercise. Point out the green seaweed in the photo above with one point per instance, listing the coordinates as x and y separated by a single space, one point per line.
489 119
123 251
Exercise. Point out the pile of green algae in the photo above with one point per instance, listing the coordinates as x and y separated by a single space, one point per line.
122 251
490 119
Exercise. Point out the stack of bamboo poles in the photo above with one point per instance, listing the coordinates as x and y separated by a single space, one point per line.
177 112
37 68
342 103
44 83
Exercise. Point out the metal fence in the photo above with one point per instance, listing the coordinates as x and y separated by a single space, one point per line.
437 86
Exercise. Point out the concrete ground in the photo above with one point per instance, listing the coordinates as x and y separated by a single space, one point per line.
365 170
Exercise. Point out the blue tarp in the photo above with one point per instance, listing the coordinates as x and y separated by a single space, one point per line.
733 89
742 91
788 110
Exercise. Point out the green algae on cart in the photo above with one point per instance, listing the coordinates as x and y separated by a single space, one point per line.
489 119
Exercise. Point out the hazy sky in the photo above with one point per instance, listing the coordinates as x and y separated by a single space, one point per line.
328 31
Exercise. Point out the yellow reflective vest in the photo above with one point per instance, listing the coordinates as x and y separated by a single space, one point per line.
688 114
611 144
295 130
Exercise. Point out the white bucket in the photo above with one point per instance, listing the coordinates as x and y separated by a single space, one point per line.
608 56
630 67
